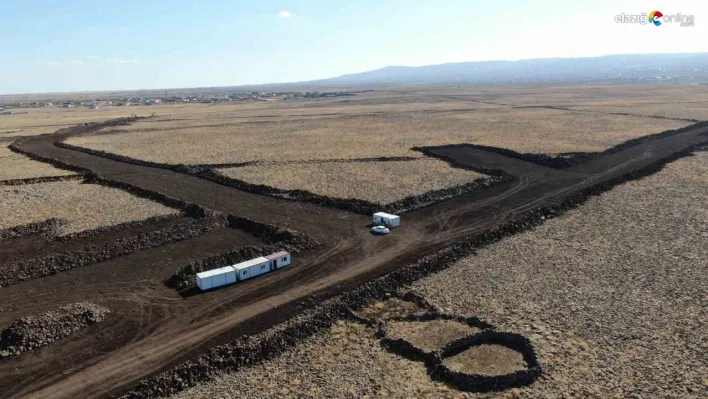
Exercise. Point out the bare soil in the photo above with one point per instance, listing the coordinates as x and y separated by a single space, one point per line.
487 360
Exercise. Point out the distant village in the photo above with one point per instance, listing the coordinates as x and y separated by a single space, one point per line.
176 99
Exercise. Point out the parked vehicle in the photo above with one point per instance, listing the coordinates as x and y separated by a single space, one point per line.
379 230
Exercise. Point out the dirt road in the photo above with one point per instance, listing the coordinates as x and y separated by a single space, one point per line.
178 329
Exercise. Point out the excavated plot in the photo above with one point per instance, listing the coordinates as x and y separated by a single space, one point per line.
491 360
378 135
17 166
379 182
83 206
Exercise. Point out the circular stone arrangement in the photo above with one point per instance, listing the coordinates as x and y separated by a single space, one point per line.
502 360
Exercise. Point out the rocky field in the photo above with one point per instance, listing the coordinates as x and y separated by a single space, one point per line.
83 206
17 166
33 332
612 295
378 182
375 135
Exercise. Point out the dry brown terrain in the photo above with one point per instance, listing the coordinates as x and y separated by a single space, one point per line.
380 182
18 166
612 295
33 121
429 335
373 135
346 362
83 206
575 95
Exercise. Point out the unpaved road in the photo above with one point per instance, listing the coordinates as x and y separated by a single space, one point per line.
171 329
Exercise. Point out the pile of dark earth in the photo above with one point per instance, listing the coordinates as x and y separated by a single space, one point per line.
32 332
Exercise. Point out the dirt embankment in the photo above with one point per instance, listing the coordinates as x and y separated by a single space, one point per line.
58 262
35 180
46 227
33 332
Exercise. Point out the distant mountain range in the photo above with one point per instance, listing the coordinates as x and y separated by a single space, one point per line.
615 68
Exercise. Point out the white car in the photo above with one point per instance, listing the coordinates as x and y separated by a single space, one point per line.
379 230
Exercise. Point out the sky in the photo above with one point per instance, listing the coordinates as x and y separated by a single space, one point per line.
81 45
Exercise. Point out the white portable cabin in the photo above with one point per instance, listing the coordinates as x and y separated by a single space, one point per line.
387 219
252 268
216 278
279 259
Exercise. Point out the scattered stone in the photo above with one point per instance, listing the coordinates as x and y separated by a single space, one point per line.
33 332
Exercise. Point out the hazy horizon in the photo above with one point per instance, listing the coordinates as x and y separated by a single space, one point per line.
82 46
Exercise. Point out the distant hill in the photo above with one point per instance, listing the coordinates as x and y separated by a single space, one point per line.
628 68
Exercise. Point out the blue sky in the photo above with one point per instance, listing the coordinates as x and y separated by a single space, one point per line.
78 45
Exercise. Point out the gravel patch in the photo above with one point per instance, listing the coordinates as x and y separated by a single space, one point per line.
33 332
82 206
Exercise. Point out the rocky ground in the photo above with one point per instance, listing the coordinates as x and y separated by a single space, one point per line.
370 181
18 166
612 295
33 332
82 206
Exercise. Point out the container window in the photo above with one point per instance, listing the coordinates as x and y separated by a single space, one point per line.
244 272
285 258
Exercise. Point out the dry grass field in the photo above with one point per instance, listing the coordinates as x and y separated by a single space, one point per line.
574 95
379 182
83 206
612 295
33 121
372 135
18 166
